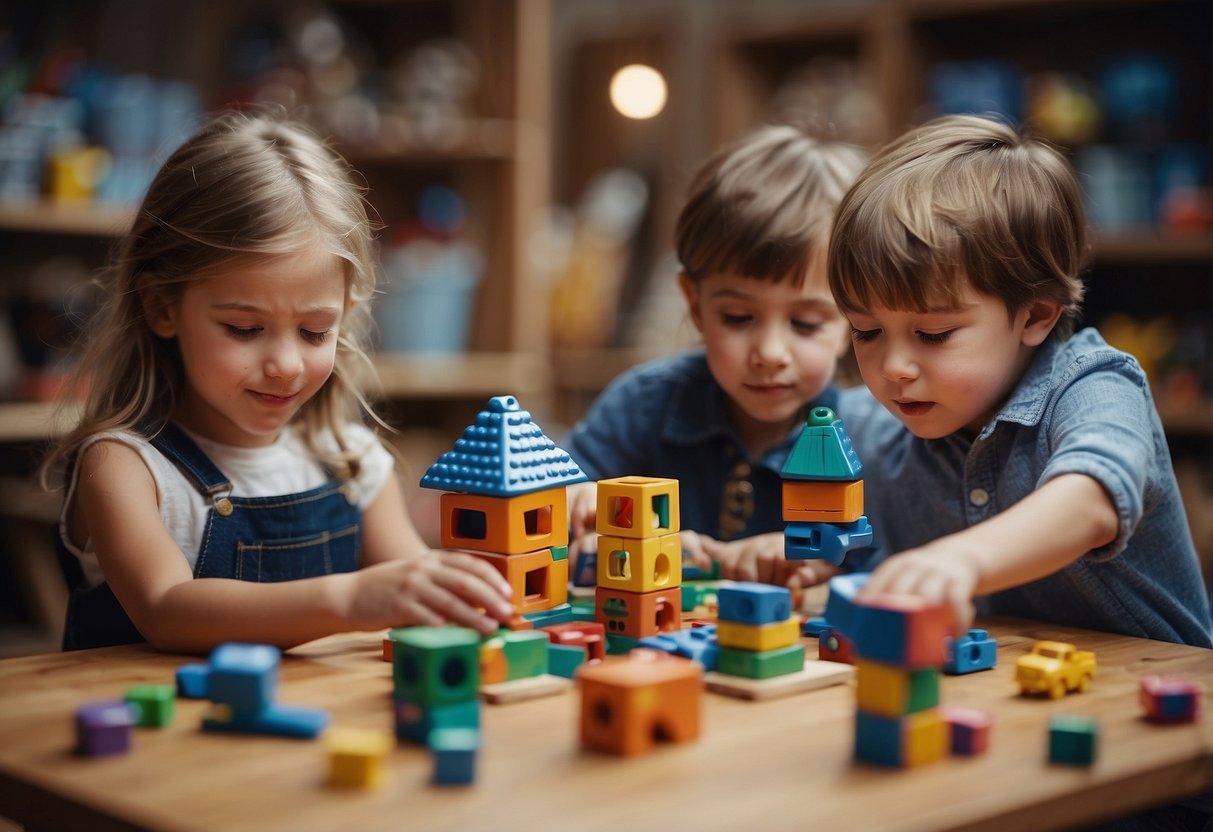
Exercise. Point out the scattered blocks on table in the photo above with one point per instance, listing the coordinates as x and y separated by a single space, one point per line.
1169 699
104 728
973 651
192 681
626 706
356 757
969 729
1073 739
454 751
153 704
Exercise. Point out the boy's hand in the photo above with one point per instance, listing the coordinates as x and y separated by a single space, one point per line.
758 558
583 509
940 572
432 589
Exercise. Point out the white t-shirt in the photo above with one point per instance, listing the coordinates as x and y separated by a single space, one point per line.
285 467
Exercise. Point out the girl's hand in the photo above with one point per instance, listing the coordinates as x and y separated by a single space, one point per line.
432 589
939 572
583 509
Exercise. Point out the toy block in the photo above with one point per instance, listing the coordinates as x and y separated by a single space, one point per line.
903 630
691 572
618 645
1167 699
507 525
356 757
841 610
825 541
560 552
526 653
454 751
754 603
887 690
153 704
639 614
815 626
973 651
386 653
637 507
586 573
968 729
192 681
434 666
640 564
1073 739
538 581
104 728
414 722
502 454
520 690
758 638
493 665
629 704
244 677
519 622
698 644
700 594
833 646
733 662
814 675
900 741
588 636
564 659
822 502
823 451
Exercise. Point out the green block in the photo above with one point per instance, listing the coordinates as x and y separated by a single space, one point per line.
564 659
153 704
923 689
765 665
618 645
1073 739
546 618
526 653
434 666
560 553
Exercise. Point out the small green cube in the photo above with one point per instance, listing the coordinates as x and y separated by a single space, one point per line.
733 661
1073 740
153 704
434 666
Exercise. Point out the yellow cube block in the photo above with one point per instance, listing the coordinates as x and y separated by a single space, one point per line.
356 756
640 564
637 506
926 738
759 638
892 691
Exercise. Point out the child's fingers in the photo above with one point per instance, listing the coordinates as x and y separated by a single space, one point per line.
452 606
470 584
482 570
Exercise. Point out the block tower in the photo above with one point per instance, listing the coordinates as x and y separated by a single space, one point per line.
823 493
505 502
758 633
639 590
899 647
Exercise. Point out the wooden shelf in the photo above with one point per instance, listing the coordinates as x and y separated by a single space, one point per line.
85 219
1153 247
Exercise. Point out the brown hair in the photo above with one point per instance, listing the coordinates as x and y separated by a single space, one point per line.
759 206
961 198
246 186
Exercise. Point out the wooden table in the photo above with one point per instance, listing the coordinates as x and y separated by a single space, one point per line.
780 764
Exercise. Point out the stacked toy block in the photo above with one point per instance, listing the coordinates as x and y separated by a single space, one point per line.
627 705
504 501
823 493
899 649
639 559
757 633
435 680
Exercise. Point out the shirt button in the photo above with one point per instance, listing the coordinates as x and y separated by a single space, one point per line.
979 497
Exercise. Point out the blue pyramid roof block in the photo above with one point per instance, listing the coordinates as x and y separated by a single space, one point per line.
503 454
823 451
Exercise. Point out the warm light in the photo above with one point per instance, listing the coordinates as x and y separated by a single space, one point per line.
638 91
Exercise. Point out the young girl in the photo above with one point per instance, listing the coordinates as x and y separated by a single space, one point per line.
220 484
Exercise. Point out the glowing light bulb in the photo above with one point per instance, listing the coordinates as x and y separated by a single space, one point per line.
638 91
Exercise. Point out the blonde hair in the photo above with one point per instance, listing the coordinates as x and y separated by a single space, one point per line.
247 185
760 206
961 198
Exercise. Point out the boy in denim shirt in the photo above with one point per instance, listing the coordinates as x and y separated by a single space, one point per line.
1030 469
751 240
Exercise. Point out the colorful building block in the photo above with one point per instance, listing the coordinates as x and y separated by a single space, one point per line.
586 573
153 704
627 705
903 630
434 666
699 644
508 525
841 609
765 665
1073 739
590 636
493 665
637 507
538 581
639 614
1168 699
806 501
414 723
973 651
526 653
454 751
758 637
900 742
888 690
560 614
823 451
640 564
833 646
192 680
968 729
356 757
564 659
104 728
825 541
754 603
241 682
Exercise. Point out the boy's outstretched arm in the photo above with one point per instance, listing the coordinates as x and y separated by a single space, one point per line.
1046 531
760 558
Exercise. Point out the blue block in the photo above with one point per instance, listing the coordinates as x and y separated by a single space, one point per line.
970 653
815 626
586 573
546 618
840 605
454 752
698 644
878 739
754 603
825 541
192 681
276 720
244 677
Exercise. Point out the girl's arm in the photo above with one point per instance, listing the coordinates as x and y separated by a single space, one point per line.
147 572
1045 531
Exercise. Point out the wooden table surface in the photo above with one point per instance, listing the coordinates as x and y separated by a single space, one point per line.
777 764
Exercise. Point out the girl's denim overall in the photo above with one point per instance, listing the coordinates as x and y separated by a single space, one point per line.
265 539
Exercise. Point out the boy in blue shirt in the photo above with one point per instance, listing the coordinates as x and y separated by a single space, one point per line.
1030 470
751 240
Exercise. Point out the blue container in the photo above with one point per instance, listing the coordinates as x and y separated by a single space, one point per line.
429 297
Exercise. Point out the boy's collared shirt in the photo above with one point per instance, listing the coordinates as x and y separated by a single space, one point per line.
1081 407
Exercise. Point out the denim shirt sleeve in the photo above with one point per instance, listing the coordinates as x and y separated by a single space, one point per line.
1101 423
612 435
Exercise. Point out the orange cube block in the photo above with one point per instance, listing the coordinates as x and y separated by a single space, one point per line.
506 525
637 506
807 501
538 580
627 705
638 614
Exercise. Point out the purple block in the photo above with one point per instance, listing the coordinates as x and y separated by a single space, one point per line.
104 728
